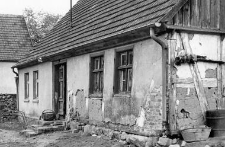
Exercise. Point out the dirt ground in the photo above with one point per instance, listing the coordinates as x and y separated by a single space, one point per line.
10 137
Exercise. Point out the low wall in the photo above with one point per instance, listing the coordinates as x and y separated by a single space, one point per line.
8 106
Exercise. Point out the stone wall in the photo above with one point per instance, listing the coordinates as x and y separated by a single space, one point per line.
8 106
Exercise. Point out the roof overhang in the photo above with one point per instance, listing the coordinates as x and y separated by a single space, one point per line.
115 41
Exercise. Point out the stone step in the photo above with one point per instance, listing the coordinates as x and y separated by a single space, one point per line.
43 127
28 133
46 123
47 129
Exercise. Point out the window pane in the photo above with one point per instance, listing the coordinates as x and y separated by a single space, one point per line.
37 90
123 57
61 72
60 89
96 63
96 82
123 80
102 63
129 83
26 85
130 58
27 77
27 90
35 84
101 82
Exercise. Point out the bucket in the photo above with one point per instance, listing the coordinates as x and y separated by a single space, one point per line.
216 120
48 115
195 134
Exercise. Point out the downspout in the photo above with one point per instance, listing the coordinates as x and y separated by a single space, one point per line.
17 86
164 71
13 69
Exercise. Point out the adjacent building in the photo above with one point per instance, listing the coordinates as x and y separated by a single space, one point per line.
14 44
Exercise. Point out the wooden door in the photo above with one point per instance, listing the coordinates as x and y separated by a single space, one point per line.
60 90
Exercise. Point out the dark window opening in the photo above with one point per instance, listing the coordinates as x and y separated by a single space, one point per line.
26 85
96 79
35 84
124 72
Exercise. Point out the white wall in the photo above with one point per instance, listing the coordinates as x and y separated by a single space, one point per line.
34 108
146 87
7 80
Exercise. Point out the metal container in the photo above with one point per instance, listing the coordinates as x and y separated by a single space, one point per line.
216 120
48 115
195 134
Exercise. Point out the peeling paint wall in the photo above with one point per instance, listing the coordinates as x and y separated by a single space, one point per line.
78 82
95 109
7 80
146 93
80 105
184 96
34 108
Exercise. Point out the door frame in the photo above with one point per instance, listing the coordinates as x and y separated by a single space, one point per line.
54 67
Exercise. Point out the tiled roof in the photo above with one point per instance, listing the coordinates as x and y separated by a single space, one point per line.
95 20
14 37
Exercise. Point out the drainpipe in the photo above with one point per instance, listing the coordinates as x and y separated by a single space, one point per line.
13 69
164 69
17 86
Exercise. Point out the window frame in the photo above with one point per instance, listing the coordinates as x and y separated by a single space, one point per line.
96 70
123 68
35 84
26 86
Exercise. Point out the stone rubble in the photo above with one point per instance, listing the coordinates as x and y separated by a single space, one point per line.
126 138
8 107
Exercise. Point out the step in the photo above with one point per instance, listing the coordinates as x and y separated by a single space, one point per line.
44 127
47 129
28 133
46 123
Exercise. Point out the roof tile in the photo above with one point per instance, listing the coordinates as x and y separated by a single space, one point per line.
94 20
14 37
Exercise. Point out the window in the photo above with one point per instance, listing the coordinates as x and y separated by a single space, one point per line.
26 80
35 84
123 74
96 83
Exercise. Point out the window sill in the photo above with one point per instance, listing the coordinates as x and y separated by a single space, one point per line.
26 100
96 96
35 101
127 95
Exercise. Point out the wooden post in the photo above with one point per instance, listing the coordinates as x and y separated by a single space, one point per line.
171 86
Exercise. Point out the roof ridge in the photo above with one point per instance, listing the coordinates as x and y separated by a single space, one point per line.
10 15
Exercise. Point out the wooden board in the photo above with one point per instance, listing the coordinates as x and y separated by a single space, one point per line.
215 14
195 13
222 14
205 13
172 86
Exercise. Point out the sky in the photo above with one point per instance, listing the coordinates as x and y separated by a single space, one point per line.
51 6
